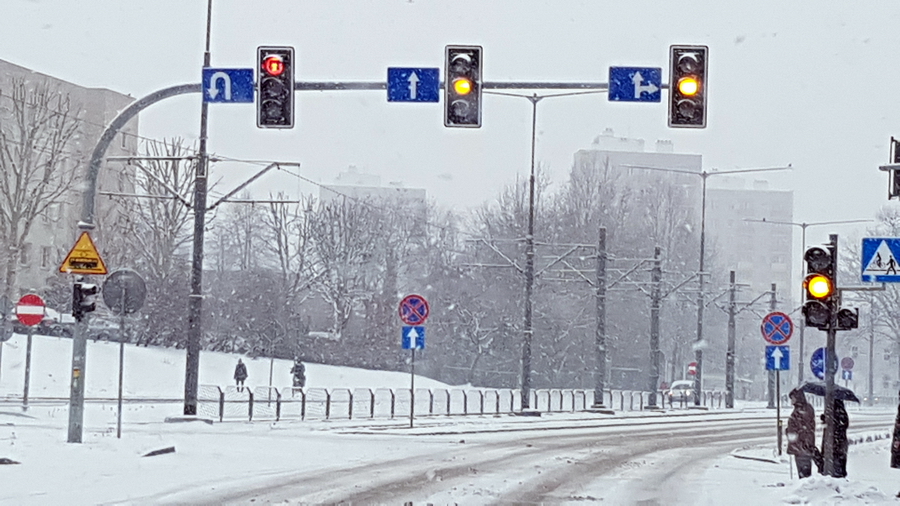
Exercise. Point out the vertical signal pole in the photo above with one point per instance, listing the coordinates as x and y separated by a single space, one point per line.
195 300
729 354
600 379
831 365
655 296
772 306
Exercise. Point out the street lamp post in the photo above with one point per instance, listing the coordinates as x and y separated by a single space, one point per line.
528 332
704 175
803 226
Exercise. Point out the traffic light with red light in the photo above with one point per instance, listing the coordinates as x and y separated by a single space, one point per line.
819 287
275 85
462 87
687 86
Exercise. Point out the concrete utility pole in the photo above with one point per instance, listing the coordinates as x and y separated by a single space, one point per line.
655 297
729 354
601 320
195 301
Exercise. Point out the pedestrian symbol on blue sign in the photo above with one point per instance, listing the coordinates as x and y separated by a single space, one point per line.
413 338
413 85
227 85
778 358
635 84
879 259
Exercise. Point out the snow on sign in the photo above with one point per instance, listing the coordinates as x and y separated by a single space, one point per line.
413 338
879 259
30 310
83 258
777 328
778 358
635 84
414 310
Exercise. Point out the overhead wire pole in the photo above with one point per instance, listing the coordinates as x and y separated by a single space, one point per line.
698 377
803 226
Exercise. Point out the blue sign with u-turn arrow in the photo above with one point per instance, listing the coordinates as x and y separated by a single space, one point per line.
227 85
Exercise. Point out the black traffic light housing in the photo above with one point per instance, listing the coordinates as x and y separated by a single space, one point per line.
462 87
848 319
82 298
819 286
275 87
687 86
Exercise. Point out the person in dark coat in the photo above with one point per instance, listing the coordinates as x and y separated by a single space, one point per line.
240 374
895 444
801 433
299 372
841 444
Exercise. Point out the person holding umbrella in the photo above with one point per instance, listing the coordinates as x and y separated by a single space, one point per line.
895 444
841 423
801 433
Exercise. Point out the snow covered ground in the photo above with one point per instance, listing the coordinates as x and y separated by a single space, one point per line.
231 456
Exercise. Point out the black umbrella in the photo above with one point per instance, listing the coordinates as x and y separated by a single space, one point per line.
818 388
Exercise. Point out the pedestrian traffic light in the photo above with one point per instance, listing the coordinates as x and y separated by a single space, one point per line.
275 85
819 287
462 87
687 86
82 298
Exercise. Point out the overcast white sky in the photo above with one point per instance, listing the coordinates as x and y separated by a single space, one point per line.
812 83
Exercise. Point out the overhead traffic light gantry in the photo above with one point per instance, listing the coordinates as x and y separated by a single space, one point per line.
275 84
687 86
462 87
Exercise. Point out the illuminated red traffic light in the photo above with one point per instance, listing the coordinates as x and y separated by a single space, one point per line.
273 65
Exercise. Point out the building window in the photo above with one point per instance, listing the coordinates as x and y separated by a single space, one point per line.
887 354
25 253
854 351
45 256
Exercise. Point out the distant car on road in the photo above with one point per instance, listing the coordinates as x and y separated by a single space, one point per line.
681 391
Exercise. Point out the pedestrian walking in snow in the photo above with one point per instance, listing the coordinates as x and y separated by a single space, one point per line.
299 372
801 433
841 445
240 374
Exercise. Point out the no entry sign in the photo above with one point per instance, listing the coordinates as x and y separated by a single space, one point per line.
30 310
414 310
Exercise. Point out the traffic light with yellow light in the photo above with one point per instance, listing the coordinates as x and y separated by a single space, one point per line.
687 86
819 287
275 85
462 87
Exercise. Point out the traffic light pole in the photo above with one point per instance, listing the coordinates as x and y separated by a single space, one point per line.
830 369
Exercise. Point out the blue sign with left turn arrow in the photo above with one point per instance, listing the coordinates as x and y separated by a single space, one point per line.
778 358
413 84
227 85
635 84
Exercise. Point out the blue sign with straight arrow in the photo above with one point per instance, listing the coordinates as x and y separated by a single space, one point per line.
778 358
413 84
413 338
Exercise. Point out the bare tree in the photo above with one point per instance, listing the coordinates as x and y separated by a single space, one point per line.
38 127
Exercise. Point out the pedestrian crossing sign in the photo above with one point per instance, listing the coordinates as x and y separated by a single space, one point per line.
880 259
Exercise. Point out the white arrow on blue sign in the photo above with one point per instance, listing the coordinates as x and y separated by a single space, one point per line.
635 84
413 338
778 358
817 363
227 85
413 84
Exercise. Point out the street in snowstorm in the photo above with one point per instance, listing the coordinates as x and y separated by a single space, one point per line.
409 252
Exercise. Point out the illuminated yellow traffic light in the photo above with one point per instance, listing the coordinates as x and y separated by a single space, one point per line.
819 286
462 86
688 86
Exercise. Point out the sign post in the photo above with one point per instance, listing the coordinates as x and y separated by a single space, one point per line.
30 312
123 293
777 329
413 312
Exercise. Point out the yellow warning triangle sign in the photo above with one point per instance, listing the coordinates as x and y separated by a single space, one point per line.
83 258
